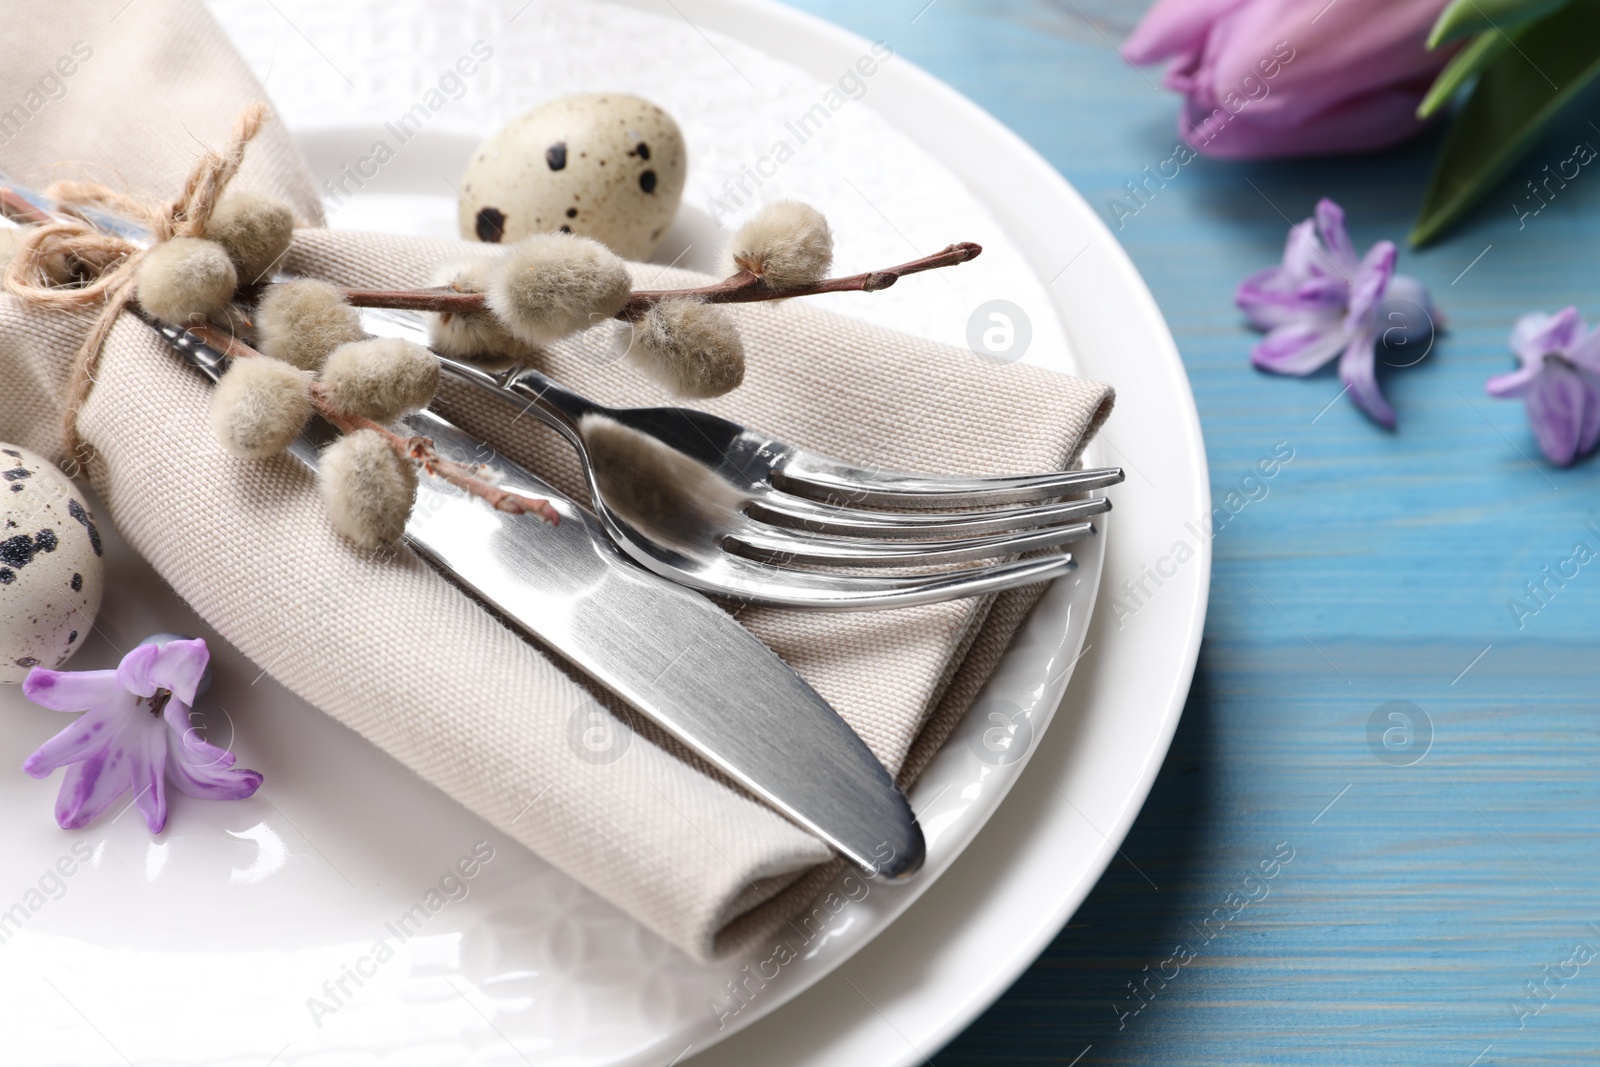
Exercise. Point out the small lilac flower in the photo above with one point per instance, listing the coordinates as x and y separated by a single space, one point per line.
134 733
1322 302
1559 381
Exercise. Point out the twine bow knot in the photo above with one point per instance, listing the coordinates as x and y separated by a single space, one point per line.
66 262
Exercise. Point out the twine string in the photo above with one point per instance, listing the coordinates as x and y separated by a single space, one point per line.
68 263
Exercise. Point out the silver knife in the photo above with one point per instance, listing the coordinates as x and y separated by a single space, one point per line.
667 651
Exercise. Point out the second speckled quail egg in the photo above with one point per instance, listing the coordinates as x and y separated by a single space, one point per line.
51 575
604 165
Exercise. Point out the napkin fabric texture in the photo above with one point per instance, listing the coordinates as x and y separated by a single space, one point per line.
384 644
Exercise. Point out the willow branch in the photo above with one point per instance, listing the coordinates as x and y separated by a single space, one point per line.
745 288
741 288
420 450
415 449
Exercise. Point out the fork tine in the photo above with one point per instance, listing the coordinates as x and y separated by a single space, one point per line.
826 480
779 509
772 545
814 591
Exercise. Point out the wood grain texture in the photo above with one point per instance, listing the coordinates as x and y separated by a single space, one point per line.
1378 567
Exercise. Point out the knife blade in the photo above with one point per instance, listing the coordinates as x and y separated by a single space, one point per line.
668 651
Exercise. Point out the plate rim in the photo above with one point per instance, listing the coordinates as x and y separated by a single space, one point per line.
783 31
1059 640
1071 602
759 23
817 47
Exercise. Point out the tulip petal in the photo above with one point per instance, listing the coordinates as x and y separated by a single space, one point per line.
1358 371
71 690
1274 78
1349 75
1359 124
1172 27
1298 348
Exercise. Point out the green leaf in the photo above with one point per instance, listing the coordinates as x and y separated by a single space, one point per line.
1463 18
1471 60
1516 97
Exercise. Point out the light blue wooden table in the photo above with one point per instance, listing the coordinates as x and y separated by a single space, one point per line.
1433 910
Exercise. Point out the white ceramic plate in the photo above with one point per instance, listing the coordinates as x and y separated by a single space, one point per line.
995 909
241 912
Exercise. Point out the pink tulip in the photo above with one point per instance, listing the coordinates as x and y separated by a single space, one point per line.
1293 77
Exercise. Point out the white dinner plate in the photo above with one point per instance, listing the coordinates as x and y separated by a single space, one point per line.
210 944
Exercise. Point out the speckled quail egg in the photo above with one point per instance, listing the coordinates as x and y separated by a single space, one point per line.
604 165
51 576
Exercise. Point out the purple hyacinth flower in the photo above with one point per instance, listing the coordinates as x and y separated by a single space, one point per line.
1322 301
1559 381
134 734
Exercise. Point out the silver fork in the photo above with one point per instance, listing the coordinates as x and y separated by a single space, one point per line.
712 505
709 504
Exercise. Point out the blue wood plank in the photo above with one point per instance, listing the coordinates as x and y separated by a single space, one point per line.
1420 905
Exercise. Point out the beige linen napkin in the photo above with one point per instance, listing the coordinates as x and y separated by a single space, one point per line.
388 647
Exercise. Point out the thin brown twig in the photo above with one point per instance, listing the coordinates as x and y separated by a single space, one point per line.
741 288
421 451
415 449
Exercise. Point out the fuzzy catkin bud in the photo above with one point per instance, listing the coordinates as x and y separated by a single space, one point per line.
787 245
691 348
255 230
550 285
300 322
185 280
380 378
472 335
259 406
367 489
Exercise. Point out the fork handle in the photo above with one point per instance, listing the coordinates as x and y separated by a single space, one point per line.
195 352
552 403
